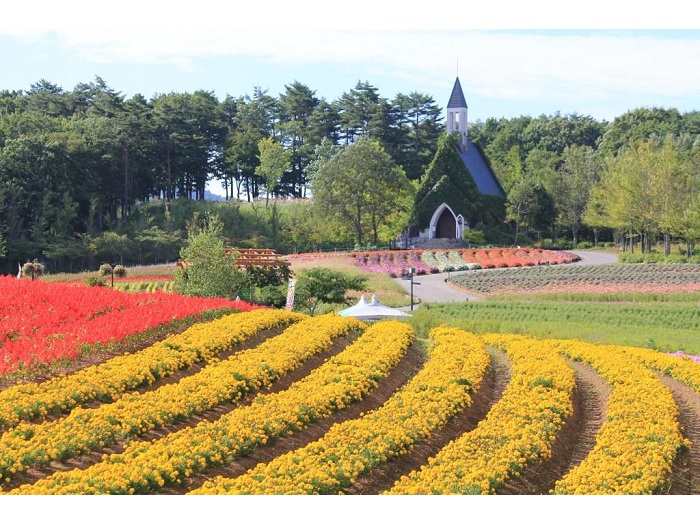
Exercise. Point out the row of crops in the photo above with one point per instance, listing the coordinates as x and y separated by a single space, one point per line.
206 391
145 286
398 263
614 278
660 325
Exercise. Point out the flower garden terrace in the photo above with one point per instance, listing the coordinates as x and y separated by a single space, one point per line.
326 404
396 263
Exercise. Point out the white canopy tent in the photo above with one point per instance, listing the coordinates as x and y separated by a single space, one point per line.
372 310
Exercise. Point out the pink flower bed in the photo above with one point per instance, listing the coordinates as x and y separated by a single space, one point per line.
682 354
393 263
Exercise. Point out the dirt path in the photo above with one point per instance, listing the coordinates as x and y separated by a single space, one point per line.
686 473
489 393
576 439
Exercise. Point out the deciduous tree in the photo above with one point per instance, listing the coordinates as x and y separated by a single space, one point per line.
361 186
317 286
210 270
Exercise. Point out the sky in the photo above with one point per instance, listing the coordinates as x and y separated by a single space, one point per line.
512 58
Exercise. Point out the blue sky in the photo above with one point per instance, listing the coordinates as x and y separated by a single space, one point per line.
535 67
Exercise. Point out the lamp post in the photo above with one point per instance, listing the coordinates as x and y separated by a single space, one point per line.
111 271
411 273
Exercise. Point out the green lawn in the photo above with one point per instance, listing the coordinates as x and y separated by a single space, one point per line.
666 326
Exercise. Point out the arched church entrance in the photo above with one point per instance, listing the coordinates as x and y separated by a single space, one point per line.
444 224
446 227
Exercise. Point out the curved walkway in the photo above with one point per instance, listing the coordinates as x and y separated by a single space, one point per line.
434 288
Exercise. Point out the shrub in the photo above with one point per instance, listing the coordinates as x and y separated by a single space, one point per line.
95 280
652 257
585 245
566 244
676 259
106 270
474 237
316 287
210 270
275 296
631 258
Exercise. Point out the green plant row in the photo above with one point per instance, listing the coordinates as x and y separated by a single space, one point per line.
600 298
556 278
663 326
659 258
144 286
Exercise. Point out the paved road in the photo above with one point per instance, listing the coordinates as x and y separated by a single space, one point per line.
434 288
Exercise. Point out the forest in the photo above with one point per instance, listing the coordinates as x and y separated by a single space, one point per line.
88 175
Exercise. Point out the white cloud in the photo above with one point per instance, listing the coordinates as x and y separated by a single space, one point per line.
506 65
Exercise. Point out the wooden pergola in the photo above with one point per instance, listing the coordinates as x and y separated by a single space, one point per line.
257 257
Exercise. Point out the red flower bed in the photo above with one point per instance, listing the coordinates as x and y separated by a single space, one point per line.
43 322
517 257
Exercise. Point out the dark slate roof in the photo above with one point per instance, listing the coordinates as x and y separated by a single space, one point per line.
457 99
483 176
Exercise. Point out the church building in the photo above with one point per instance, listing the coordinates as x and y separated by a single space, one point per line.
460 190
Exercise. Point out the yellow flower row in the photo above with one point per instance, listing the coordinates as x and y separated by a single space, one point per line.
456 366
133 414
109 380
146 466
683 369
641 436
518 431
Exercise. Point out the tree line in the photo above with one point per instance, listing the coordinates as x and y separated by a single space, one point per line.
634 181
78 162
89 174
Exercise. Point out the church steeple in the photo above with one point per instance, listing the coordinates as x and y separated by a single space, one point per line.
457 114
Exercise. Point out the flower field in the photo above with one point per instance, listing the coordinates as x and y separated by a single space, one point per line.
41 323
607 279
398 262
272 402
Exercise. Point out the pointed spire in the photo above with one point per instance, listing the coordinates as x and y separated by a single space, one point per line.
457 99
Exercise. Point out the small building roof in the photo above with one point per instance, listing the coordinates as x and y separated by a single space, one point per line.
457 99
